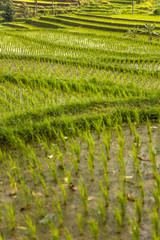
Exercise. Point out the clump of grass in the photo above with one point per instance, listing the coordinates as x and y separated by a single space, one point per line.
40 203
54 231
118 218
80 223
139 210
122 198
135 229
107 141
68 235
60 159
43 184
75 164
53 170
31 227
90 160
93 225
84 195
76 149
11 215
155 222
25 193
59 211
105 193
102 210
63 190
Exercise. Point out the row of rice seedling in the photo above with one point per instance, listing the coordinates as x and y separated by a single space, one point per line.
81 50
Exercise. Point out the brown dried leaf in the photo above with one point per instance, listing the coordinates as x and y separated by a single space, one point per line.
25 208
36 193
142 158
73 187
14 191
91 198
130 198
47 205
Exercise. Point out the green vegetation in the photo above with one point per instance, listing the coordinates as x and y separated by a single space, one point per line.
79 123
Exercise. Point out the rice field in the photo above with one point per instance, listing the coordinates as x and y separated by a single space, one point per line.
79 135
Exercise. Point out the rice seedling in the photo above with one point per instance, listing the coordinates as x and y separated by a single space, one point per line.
75 164
118 218
156 195
105 193
93 225
68 235
104 161
76 149
43 184
149 130
31 227
130 124
0 212
155 222
107 140
102 210
142 191
84 195
90 160
54 231
60 159
153 157
63 138
137 139
13 182
40 204
122 198
32 157
33 174
11 215
139 210
59 212
134 229
68 177
53 170
26 194
98 126
80 221
63 190
90 141
121 161
44 142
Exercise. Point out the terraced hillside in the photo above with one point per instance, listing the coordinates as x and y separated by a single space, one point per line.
79 128
101 7
112 24
64 68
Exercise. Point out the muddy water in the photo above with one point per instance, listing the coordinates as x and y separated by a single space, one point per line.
24 199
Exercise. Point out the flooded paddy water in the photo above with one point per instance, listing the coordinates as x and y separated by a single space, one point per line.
89 187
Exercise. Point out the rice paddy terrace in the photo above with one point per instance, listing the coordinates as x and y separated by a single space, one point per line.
79 128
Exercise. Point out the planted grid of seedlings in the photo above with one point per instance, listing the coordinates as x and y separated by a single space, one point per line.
79 136
91 186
